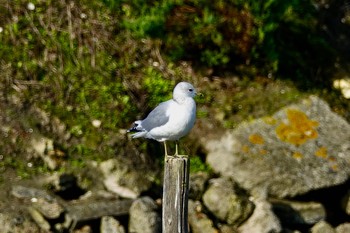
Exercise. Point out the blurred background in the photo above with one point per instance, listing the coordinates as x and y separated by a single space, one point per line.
76 74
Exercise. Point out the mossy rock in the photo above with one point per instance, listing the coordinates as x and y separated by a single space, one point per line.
300 148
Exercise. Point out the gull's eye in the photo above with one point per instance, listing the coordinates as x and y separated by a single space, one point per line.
190 90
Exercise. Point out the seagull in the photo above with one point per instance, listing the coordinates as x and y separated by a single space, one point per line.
170 120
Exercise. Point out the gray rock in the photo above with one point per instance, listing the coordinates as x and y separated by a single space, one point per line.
39 219
83 229
224 228
197 185
125 180
23 192
263 219
45 203
111 225
44 148
16 223
322 227
227 202
199 221
293 212
144 216
300 148
343 228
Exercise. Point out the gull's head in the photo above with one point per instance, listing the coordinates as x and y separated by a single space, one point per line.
183 90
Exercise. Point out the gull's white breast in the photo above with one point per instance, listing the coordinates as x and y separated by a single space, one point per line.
181 120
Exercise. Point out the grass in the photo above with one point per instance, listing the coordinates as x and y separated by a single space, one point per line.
80 62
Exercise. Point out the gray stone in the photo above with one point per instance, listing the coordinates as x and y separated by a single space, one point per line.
300 148
144 216
39 219
322 227
125 180
293 212
343 228
16 223
44 148
46 203
197 185
23 192
199 221
83 229
224 228
227 202
111 225
263 219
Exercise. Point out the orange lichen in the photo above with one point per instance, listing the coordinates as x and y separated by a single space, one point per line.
256 139
263 152
322 152
334 167
270 120
245 149
297 155
298 130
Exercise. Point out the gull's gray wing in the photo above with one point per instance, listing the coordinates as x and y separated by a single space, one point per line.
157 117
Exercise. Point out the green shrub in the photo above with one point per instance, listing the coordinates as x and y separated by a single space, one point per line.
253 37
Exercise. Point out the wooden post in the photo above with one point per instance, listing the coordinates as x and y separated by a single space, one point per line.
175 195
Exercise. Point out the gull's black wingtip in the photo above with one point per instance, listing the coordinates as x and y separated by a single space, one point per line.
133 129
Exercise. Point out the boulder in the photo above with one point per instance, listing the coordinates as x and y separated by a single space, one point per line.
144 216
343 228
17 222
227 202
263 219
84 229
199 221
123 179
224 228
44 148
322 227
39 219
44 202
300 148
111 225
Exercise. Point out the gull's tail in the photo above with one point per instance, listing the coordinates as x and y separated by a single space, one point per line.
137 130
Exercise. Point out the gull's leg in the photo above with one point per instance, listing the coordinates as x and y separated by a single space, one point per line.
177 150
165 149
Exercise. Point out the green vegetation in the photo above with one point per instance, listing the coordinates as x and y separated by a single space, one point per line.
273 37
112 61
198 165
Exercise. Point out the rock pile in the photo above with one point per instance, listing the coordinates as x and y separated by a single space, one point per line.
284 173
296 161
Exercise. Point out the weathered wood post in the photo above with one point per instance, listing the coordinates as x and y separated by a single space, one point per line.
175 195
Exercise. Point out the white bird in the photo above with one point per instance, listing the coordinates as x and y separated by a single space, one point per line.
170 120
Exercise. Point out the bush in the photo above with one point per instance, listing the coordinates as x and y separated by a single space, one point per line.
256 37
